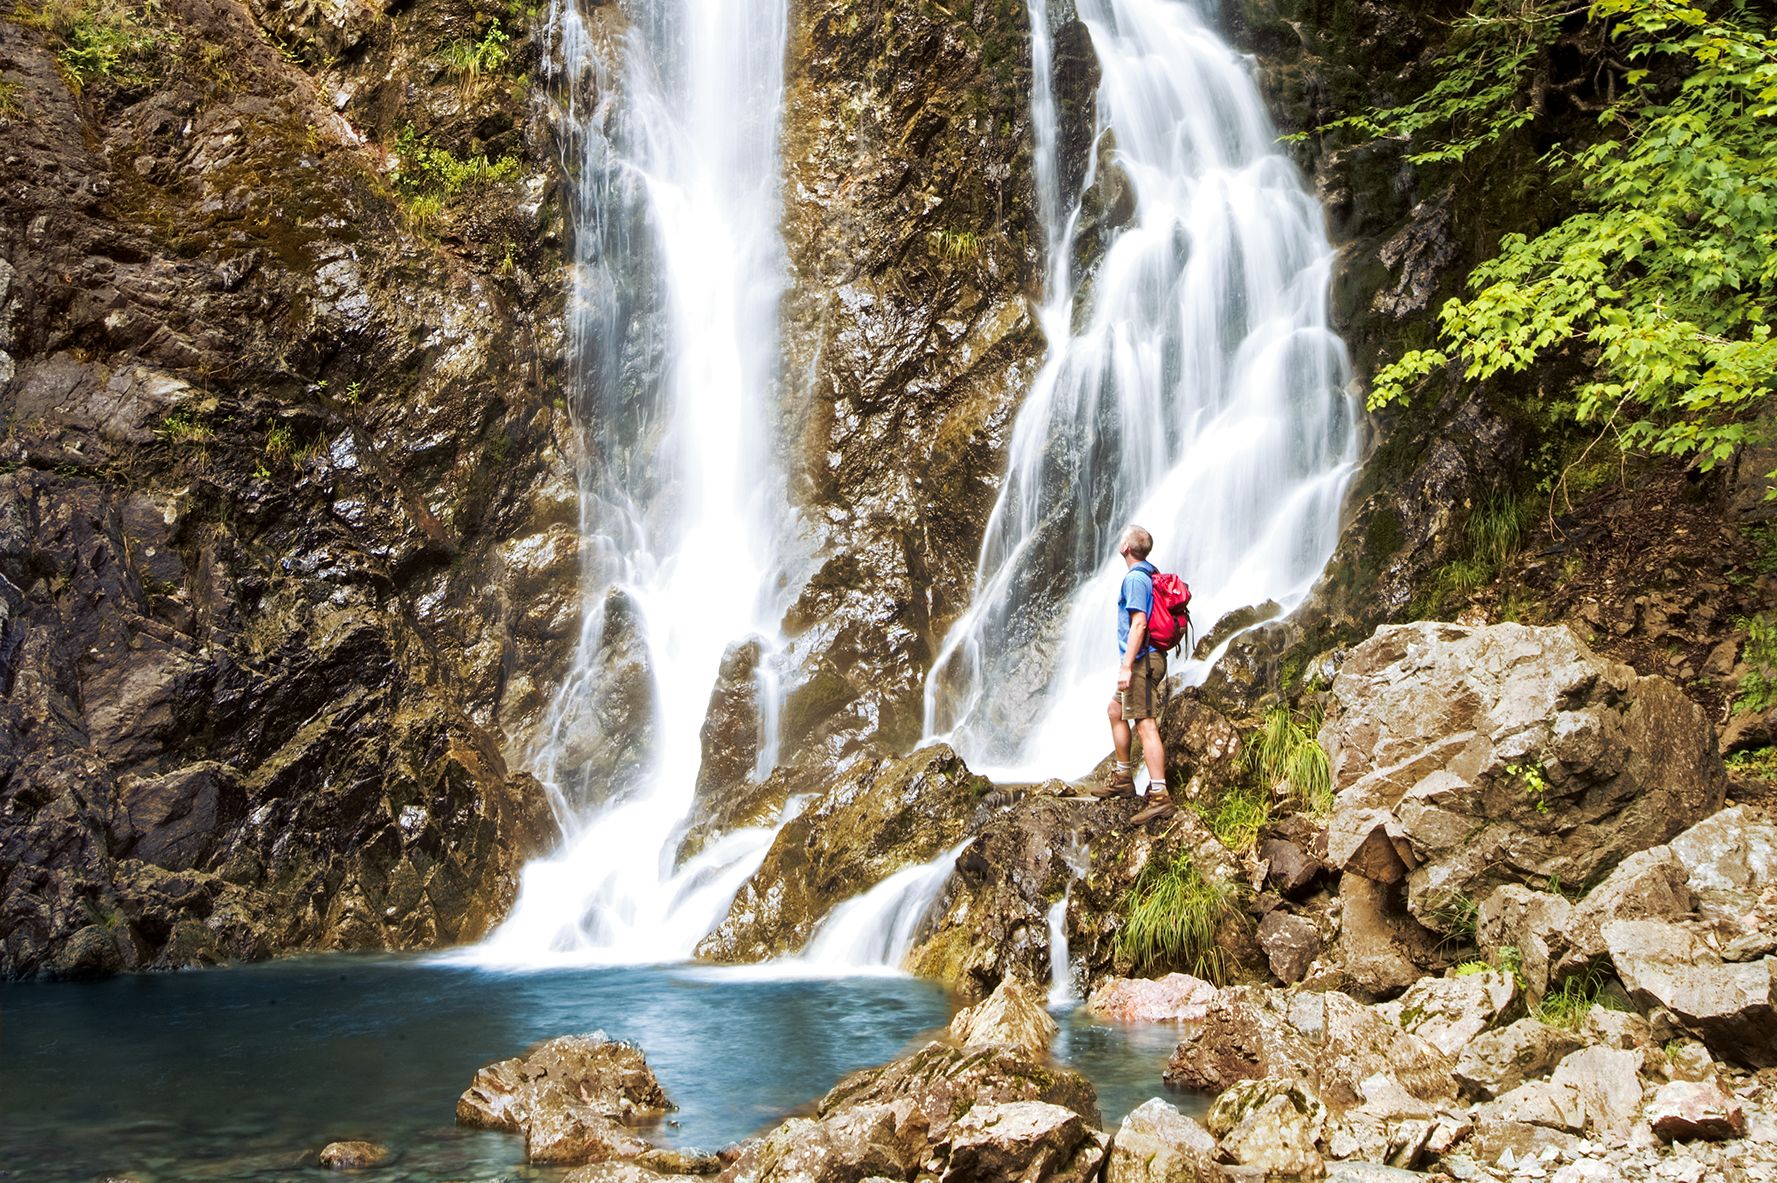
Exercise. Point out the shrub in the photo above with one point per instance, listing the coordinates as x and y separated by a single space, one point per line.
1171 917
1757 690
425 172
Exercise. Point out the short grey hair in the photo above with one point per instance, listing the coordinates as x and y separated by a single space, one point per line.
1135 540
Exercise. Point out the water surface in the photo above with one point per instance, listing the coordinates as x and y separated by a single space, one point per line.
243 1073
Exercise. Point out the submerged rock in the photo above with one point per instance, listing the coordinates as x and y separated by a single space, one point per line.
353 1156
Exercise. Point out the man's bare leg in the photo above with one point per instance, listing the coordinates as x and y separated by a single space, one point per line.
1119 731
1151 751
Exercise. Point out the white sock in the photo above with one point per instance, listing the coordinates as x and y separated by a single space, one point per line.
1157 786
1126 766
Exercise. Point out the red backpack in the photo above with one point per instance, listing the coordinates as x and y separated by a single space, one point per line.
1170 620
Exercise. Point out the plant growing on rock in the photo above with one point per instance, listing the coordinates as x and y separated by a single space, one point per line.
102 40
184 427
1171 918
1534 781
1662 283
1757 690
1285 751
1236 815
1568 1006
427 173
473 58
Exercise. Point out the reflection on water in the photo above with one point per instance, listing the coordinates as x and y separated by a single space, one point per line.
244 1073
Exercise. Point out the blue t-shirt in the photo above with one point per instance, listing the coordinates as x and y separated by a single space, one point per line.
1137 596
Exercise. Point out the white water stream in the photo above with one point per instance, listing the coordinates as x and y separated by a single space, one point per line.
680 505
1192 385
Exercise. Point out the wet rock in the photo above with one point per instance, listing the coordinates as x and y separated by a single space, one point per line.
268 454
1011 1015
1020 1140
901 1118
1269 1126
878 816
991 919
1290 943
1689 1110
1158 1144
1468 758
1498 1061
1328 1041
908 337
1729 1006
622 1172
353 1156
1175 998
1449 1013
732 736
569 1096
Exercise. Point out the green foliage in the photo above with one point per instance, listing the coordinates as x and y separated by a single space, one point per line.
1171 917
1492 537
428 176
1237 815
184 427
1760 762
1534 781
101 40
1481 92
1569 1005
472 59
1662 282
1285 751
1469 969
1757 691
11 101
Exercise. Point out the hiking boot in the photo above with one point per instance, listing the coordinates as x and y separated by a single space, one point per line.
1159 808
1116 784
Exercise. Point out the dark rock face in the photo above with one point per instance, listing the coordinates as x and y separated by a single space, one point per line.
283 500
914 246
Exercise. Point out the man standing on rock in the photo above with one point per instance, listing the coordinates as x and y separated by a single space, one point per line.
1141 682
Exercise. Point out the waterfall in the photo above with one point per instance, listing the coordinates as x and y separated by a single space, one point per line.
1192 384
1061 975
875 930
678 272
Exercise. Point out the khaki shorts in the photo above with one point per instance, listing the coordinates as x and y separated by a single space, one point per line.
1146 695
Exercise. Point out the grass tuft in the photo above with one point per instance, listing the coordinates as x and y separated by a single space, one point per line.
1171 917
1285 751
1237 815
1568 1006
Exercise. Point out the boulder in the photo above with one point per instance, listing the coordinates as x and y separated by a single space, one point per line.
1729 854
1381 950
1330 1042
561 1132
1158 1144
1534 923
1689 1110
1467 758
1019 1142
1449 1013
1607 1083
1648 885
880 814
907 1116
1269 1126
1728 1005
1010 1016
353 1156
1290 944
1500 1060
1174 998
604 1076
622 1172
1290 871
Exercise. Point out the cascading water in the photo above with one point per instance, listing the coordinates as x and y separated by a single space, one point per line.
681 508
1192 384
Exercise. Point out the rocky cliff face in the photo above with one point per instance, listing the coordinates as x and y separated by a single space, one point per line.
915 254
287 555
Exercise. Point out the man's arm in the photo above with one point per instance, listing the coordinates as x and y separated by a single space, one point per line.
1138 635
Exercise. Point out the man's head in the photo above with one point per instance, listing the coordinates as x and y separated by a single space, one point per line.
1134 544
